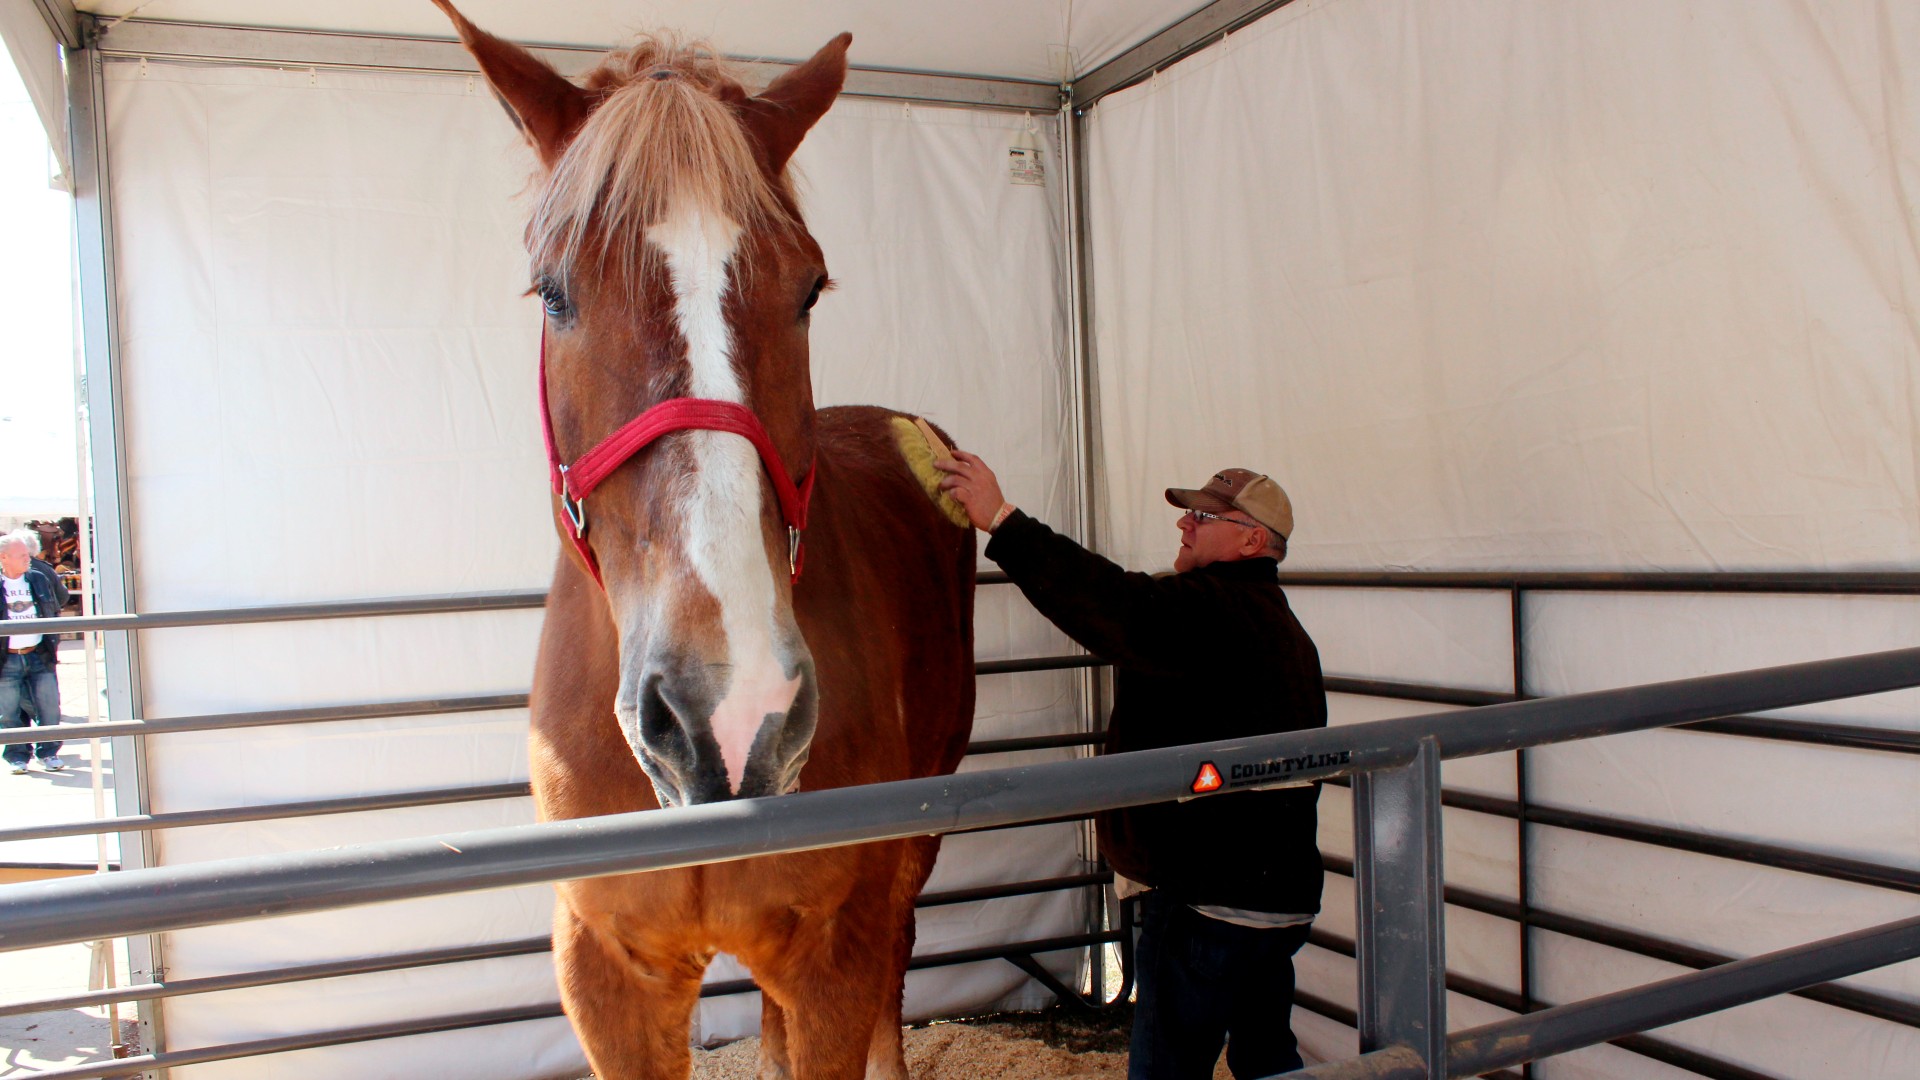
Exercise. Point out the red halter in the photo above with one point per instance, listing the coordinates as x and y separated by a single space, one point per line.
573 483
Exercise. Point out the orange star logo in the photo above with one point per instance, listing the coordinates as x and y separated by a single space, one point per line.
1207 779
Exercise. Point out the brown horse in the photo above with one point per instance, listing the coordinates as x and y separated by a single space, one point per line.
683 659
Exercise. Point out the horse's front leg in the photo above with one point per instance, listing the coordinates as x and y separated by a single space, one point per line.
886 1056
886 1059
631 1011
830 987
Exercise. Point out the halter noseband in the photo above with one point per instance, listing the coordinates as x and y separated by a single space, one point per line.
573 483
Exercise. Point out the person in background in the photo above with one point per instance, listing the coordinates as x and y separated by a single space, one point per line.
1211 651
27 680
32 536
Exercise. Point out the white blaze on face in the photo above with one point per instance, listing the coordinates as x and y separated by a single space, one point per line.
723 516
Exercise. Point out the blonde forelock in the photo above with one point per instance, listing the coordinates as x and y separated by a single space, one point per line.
661 137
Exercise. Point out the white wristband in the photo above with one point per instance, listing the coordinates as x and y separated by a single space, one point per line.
1000 516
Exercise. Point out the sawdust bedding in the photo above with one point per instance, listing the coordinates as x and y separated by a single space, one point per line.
1009 1046
1005 1046
947 1052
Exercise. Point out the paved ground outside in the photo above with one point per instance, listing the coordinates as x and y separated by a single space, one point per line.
40 1042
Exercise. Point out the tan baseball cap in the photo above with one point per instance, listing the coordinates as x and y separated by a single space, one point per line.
1253 494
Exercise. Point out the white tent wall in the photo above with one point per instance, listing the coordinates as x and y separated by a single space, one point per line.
1579 286
329 394
1677 234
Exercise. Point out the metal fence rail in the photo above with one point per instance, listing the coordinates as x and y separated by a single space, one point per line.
1845 582
231 815
385 710
1813 733
515 600
1569 1027
376 710
1646 1046
1865 1002
1778 857
146 823
433 707
491 951
1851 736
396 1029
1520 589
437 604
1411 1015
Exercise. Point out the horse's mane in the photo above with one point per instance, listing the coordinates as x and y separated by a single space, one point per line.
662 134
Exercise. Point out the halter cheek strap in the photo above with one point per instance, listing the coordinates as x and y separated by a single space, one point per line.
573 483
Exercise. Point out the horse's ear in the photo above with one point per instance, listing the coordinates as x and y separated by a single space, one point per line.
545 106
782 114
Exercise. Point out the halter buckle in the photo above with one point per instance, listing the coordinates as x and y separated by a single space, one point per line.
793 552
576 511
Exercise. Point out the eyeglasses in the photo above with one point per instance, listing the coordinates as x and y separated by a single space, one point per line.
1201 517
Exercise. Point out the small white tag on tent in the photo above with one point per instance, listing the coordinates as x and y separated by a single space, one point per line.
1025 164
1024 161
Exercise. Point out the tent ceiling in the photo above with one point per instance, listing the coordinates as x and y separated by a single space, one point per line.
1045 40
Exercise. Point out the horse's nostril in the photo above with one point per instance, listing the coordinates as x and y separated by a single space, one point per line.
801 718
669 729
659 726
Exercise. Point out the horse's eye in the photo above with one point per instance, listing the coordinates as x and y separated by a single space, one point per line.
819 285
553 298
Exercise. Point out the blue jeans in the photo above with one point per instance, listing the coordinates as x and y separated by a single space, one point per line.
1203 982
27 680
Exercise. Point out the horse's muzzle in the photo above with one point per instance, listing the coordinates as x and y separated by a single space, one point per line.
704 733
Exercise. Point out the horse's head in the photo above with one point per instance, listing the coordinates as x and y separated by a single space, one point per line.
670 256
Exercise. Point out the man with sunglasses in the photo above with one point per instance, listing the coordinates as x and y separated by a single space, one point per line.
1211 651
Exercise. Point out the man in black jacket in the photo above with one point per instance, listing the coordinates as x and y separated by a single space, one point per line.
1209 652
27 664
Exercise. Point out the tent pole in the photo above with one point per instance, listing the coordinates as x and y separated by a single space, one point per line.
1081 386
112 565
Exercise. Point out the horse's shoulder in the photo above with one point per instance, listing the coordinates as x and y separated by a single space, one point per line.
859 439
873 457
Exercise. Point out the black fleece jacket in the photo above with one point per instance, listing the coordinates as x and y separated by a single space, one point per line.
1214 653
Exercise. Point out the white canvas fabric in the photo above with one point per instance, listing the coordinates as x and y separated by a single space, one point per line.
1577 290
327 348
1580 286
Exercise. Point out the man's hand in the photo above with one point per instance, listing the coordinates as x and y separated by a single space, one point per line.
973 485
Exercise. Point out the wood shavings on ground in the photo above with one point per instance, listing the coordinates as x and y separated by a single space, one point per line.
946 1052
1009 1046
1054 1043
